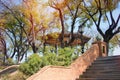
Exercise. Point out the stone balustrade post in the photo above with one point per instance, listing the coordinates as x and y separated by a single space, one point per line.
102 48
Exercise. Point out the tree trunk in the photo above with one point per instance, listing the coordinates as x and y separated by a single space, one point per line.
34 48
107 45
62 24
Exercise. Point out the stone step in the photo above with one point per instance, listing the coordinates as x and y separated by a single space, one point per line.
106 61
101 72
98 79
105 65
103 69
108 58
101 76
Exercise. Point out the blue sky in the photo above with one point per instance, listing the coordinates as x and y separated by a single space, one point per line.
116 13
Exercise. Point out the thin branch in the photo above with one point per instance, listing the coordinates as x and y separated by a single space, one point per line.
8 35
74 19
118 19
88 12
73 23
100 15
10 11
97 3
117 31
116 23
53 6
107 18
111 16
69 9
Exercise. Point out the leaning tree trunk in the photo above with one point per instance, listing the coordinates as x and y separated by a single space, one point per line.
62 24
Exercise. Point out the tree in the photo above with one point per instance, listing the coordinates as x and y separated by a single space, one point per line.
74 12
37 22
59 6
69 11
3 44
23 27
3 48
13 27
31 14
103 9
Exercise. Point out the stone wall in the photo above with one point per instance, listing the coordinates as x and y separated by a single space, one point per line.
9 70
73 71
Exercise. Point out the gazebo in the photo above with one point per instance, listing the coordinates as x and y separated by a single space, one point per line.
55 39
78 39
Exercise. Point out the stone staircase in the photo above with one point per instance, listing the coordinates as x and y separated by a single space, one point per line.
103 68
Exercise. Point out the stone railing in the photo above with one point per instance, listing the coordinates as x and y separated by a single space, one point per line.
9 70
53 73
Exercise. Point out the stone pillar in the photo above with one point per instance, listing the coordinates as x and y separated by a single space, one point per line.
102 48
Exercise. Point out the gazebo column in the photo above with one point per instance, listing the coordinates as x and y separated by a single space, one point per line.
82 42
82 48
44 46
26 56
56 47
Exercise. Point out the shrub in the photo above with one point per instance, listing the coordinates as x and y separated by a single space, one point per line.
32 65
49 59
65 56
35 62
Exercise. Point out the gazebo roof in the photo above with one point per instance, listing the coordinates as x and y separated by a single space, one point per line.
55 39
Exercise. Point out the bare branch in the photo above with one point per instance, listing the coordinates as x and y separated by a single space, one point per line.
74 19
100 15
117 31
69 9
118 19
53 6
111 16
88 12
7 35
114 25
86 21
97 3
107 18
